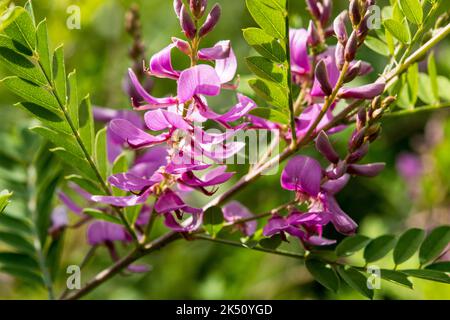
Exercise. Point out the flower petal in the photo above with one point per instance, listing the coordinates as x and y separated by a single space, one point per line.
201 79
134 136
226 68
302 174
161 64
221 50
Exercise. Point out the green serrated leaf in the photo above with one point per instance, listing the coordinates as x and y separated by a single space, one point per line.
265 44
432 275
86 124
267 69
356 280
412 10
350 245
31 92
270 19
377 45
271 243
398 30
17 242
432 72
213 220
270 92
379 247
43 49
408 243
100 156
396 277
100 215
434 244
323 273
271 115
19 27
59 74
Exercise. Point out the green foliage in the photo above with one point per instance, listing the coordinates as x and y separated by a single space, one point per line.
434 244
408 243
213 220
356 280
350 245
323 273
398 29
412 10
5 195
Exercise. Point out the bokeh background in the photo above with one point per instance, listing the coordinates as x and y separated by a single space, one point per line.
412 191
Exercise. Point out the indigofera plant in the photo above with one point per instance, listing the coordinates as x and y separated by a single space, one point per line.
144 161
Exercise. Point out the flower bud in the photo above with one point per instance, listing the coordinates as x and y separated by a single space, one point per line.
324 146
177 4
327 9
355 12
363 28
359 153
369 91
353 71
366 170
211 20
314 8
351 47
198 7
321 74
313 35
182 45
387 102
187 24
357 139
376 103
361 119
339 55
339 27
338 171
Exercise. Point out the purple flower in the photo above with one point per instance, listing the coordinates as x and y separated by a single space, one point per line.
235 211
300 60
328 58
302 174
409 166
369 91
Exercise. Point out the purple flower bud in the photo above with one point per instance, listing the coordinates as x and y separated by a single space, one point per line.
355 12
313 35
351 47
211 20
321 74
339 55
182 45
369 91
363 28
359 153
361 118
338 171
365 69
313 8
327 8
198 7
339 27
366 170
357 139
177 4
353 71
187 24
324 146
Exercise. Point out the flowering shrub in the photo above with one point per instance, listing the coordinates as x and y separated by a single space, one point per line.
144 162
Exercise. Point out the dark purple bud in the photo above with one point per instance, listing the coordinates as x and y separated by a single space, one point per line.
182 45
324 146
365 69
355 12
361 118
366 170
374 136
187 24
177 4
369 91
211 20
339 27
363 28
353 71
321 74
338 171
327 8
339 55
314 8
198 7
351 47
359 153
313 35
357 139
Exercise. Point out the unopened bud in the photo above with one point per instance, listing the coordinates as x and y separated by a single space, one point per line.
359 153
313 35
339 55
177 4
363 28
182 45
321 74
324 146
357 139
198 7
339 27
313 8
355 12
388 102
211 20
327 8
361 118
351 47
352 72
373 129
366 170
187 24
369 91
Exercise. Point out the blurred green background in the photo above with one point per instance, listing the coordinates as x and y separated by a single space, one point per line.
187 270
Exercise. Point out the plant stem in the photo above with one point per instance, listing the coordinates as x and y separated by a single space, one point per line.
416 110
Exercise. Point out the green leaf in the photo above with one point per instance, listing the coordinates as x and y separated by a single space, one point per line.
86 124
18 64
396 277
73 103
265 44
5 195
17 242
412 10
101 157
80 164
434 244
270 92
350 245
18 225
398 30
390 42
443 266
408 243
18 260
267 69
425 90
53 256
87 184
426 274
270 19
377 45
100 215
432 72
31 92
271 243
213 220
323 273
60 139
19 27
29 8
271 115
356 280
413 83
43 49
59 74
444 84
379 247
23 274
51 119
15 46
